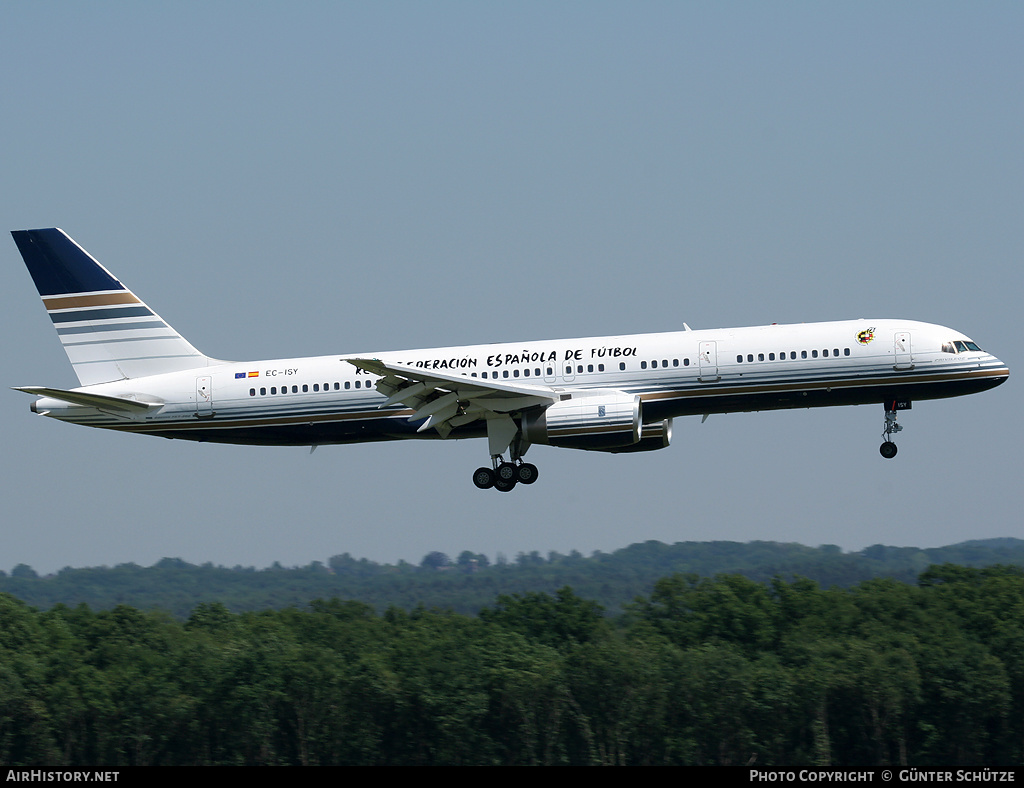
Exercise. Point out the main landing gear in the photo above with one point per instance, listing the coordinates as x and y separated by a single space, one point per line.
503 434
888 449
505 475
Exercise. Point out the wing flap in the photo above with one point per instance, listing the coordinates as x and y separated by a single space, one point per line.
444 402
391 372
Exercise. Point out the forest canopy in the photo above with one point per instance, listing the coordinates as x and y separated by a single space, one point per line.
702 670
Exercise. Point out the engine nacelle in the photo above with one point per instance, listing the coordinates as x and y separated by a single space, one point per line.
597 420
653 437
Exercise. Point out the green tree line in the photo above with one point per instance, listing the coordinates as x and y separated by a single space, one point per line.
470 582
722 670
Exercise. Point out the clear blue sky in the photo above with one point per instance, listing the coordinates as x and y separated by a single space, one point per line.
309 178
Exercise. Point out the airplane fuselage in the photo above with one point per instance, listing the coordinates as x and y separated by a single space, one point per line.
326 400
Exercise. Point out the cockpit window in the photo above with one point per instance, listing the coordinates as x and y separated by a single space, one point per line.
958 346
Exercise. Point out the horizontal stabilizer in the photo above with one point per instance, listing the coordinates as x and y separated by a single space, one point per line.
103 401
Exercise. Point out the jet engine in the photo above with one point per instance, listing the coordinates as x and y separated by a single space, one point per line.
657 435
597 420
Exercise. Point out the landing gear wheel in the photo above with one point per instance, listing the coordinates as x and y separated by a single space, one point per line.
526 473
507 472
484 478
887 450
503 485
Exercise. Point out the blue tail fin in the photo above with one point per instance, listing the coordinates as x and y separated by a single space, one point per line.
107 331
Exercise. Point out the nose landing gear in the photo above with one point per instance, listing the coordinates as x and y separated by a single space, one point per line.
888 449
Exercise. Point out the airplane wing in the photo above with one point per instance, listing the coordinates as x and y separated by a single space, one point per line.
445 402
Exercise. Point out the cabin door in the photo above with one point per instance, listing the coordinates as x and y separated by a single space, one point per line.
904 356
204 396
707 360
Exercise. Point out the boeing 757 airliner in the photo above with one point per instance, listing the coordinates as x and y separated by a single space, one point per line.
611 394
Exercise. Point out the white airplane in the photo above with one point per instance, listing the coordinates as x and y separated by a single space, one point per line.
611 394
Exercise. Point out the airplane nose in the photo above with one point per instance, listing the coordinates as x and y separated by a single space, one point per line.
1003 373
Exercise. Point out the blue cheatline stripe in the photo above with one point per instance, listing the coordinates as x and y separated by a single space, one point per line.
112 327
59 266
101 314
149 338
132 358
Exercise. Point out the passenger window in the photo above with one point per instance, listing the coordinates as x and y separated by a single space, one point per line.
622 366
252 392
